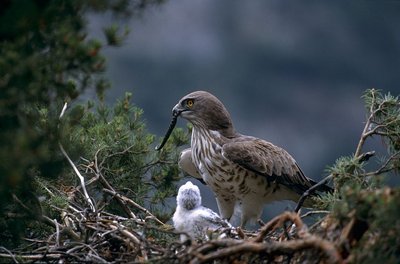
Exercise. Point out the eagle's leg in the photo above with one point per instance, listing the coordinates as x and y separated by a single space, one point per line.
226 206
251 211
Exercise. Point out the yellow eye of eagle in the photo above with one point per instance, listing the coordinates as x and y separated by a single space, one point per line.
189 103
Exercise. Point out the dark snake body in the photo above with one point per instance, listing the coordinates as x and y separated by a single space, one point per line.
169 131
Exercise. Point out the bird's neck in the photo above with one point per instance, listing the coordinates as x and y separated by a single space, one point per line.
227 131
203 137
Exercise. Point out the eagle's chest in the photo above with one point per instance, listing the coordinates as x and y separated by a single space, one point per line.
217 171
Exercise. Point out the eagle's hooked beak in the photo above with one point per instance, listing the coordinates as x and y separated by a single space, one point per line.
176 112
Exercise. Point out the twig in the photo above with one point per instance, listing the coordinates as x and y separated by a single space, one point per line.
81 246
82 180
127 234
315 212
33 257
9 254
383 168
131 202
310 191
66 230
366 127
57 232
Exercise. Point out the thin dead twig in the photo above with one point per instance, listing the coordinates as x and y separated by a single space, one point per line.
64 229
10 254
314 212
57 232
311 191
384 168
82 180
126 233
33 257
133 203
364 134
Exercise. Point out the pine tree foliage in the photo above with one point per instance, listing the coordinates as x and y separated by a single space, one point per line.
363 208
46 59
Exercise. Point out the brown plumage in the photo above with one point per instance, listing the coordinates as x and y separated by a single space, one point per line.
244 172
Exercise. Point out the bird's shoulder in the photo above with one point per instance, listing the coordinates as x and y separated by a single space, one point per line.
259 155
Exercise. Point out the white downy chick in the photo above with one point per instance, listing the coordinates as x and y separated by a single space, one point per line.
194 219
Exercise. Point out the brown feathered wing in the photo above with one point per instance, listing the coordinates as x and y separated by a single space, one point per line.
272 162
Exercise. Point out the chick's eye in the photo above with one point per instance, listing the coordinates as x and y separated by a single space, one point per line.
189 103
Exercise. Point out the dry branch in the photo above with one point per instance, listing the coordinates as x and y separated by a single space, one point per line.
229 249
278 222
81 179
125 199
310 191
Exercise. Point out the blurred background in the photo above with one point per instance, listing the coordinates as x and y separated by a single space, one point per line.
290 72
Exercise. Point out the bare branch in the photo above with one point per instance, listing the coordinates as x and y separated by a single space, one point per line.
63 110
131 202
314 213
384 168
33 257
82 180
311 191
10 255
57 232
